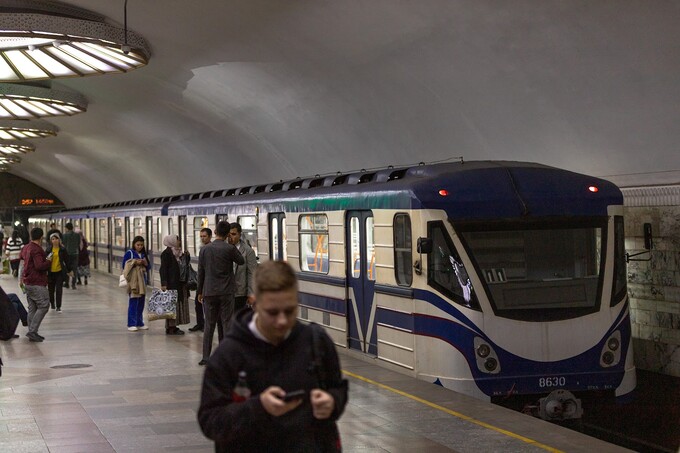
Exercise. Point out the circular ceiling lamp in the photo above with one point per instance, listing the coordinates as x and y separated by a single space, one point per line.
5 159
42 39
23 129
19 101
4 168
13 148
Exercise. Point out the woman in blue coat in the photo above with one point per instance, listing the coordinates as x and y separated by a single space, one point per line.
136 304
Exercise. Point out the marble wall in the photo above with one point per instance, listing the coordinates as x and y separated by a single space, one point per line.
654 287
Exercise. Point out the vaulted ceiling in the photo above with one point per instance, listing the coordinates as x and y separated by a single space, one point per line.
239 92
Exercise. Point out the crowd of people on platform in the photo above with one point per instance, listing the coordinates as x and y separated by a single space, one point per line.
272 384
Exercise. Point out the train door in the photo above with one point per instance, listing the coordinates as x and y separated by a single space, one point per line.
277 236
148 233
360 263
109 243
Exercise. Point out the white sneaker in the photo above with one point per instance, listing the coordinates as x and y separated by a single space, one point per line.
133 329
143 327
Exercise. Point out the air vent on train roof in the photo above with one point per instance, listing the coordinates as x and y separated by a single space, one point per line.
230 192
276 187
318 182
244 191
295 184
397 174
340 180
367 177
260 189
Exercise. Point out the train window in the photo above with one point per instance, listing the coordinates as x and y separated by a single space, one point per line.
137 227
278 239
620 276
199 224
403 250
445 269
103 231
159 234
355 247
171 226
118 234
370 249
313 231
221 217
249 230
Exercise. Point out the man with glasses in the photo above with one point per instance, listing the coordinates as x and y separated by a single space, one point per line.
294 391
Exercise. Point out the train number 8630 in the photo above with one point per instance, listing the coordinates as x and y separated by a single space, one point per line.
557 381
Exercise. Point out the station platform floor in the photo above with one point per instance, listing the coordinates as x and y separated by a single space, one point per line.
94 387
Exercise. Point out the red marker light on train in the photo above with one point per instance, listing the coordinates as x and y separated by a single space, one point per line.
443 192
593 189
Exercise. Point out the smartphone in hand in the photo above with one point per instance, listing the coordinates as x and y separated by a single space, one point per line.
294 395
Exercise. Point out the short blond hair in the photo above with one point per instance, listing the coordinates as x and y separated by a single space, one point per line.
273 276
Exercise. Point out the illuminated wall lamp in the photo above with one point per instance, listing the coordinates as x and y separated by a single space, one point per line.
24 129
19 101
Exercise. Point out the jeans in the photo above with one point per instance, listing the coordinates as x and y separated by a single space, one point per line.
136 311
38 305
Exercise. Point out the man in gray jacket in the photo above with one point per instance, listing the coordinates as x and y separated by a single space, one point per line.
216 284
244 274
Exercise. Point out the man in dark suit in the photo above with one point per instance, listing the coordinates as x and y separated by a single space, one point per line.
216 284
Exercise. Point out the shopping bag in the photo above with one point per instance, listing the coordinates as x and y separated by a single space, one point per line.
121 281
162 304
5 267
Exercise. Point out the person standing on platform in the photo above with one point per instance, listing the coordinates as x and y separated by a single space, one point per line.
243 274
58 272
34 278
136 301
216 285
13 251
170 279
72 244
83 259
247 402
206 237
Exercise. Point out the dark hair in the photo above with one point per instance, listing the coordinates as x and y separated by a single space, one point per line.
139 239
222 228
237 226
15 234
69 226
36 233
274 276
207 230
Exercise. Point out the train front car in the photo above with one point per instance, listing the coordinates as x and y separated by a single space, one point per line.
529 274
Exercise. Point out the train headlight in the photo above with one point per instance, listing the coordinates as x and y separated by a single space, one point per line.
611 350
485 356
483 350
613 343
490 364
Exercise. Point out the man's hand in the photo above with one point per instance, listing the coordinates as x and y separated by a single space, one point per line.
273 403
200 298
322 404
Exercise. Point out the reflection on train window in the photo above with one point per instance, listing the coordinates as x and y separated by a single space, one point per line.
403 271
445 269
355 247
138 228
249 230
539 267
159 234
118 236
313 229
620 277
171 227
370 249
199 224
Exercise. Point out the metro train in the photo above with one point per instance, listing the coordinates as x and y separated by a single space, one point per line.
496 279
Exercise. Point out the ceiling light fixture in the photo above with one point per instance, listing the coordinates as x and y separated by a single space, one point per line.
27 101
13 148
5 159
23 129
43 39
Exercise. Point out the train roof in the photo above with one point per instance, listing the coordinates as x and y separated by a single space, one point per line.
475 190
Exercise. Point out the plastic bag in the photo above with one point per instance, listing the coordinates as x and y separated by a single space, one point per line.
162 304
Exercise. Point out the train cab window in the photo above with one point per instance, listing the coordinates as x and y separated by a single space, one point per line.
199 224
403 250
313 231
620 275
445 269
159 234
249 230
118 233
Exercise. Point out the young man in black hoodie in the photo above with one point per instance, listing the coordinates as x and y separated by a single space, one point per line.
279 357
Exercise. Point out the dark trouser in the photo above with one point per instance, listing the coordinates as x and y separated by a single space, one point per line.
54 286
240 303
73 265
14 265
38 305
136 311
200 317
217 309
23 314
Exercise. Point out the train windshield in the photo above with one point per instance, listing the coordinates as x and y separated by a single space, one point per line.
540 272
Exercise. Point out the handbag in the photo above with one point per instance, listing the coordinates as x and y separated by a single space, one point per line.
121 281
192 282
184 266
162 304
